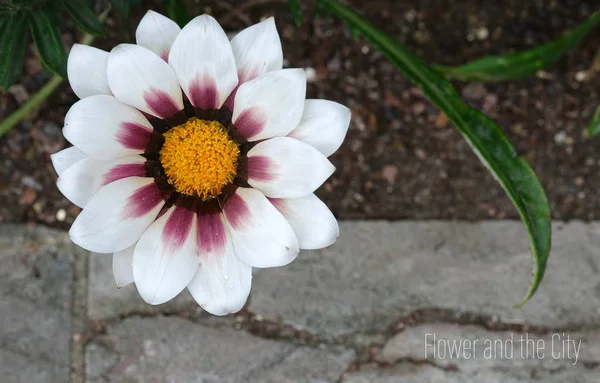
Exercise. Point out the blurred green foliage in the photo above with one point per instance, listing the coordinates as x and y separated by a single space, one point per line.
41 20
486 138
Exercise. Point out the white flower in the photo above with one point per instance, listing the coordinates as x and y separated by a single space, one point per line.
196 193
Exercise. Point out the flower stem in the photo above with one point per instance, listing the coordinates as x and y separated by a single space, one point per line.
594 68
41 95
30 105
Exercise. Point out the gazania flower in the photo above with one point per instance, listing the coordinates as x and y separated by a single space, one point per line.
194 188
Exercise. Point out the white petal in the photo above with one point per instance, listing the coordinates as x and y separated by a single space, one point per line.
257 50
117 215
261 236
86 70
66 158
122 266
104 128
157 33
324 125
284 167
140 78
81 181
270 105
203 61
165 258
314 224
222 283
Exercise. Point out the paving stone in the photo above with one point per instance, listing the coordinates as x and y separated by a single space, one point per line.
172 349
106 301
472 350
36 276
424 373
381 271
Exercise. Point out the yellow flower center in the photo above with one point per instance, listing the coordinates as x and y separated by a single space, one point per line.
199 158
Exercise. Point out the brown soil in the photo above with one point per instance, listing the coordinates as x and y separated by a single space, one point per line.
401 159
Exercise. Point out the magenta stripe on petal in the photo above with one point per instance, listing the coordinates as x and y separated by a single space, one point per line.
230 100
177 228
134 136
148 116
211 234
279 203
124 171
160 103
247 75
243 77
260 168
165 55
237 212
251 122
142 201
203 93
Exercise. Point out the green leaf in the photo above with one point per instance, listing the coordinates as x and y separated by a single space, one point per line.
511 66
53 10
177 11
48 42
121 7
84 16
13 40
594 126
296 12
485 137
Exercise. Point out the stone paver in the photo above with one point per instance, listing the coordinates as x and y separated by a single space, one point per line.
378 272
478 354
350 294
423 373
106 301
35 303
472 346
172 349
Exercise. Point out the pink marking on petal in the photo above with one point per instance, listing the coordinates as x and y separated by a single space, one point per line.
237 212
251 122
203 93
124 171
165 55
248 74
243 76
230 100
160 103
142 201
278 203
177 228
260 168
134 136
211 234
147 115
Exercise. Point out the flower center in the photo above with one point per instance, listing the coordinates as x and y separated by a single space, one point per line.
199 158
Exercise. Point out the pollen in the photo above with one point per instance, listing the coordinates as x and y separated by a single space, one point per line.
199 158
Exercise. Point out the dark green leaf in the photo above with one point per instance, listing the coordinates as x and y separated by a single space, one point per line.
121 7
84 16
4 19
13 40
594 127
296 12
506 67
53 10
48 42
177 11
485 137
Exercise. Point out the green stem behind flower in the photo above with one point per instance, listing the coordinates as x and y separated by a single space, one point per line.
41 95
31 105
